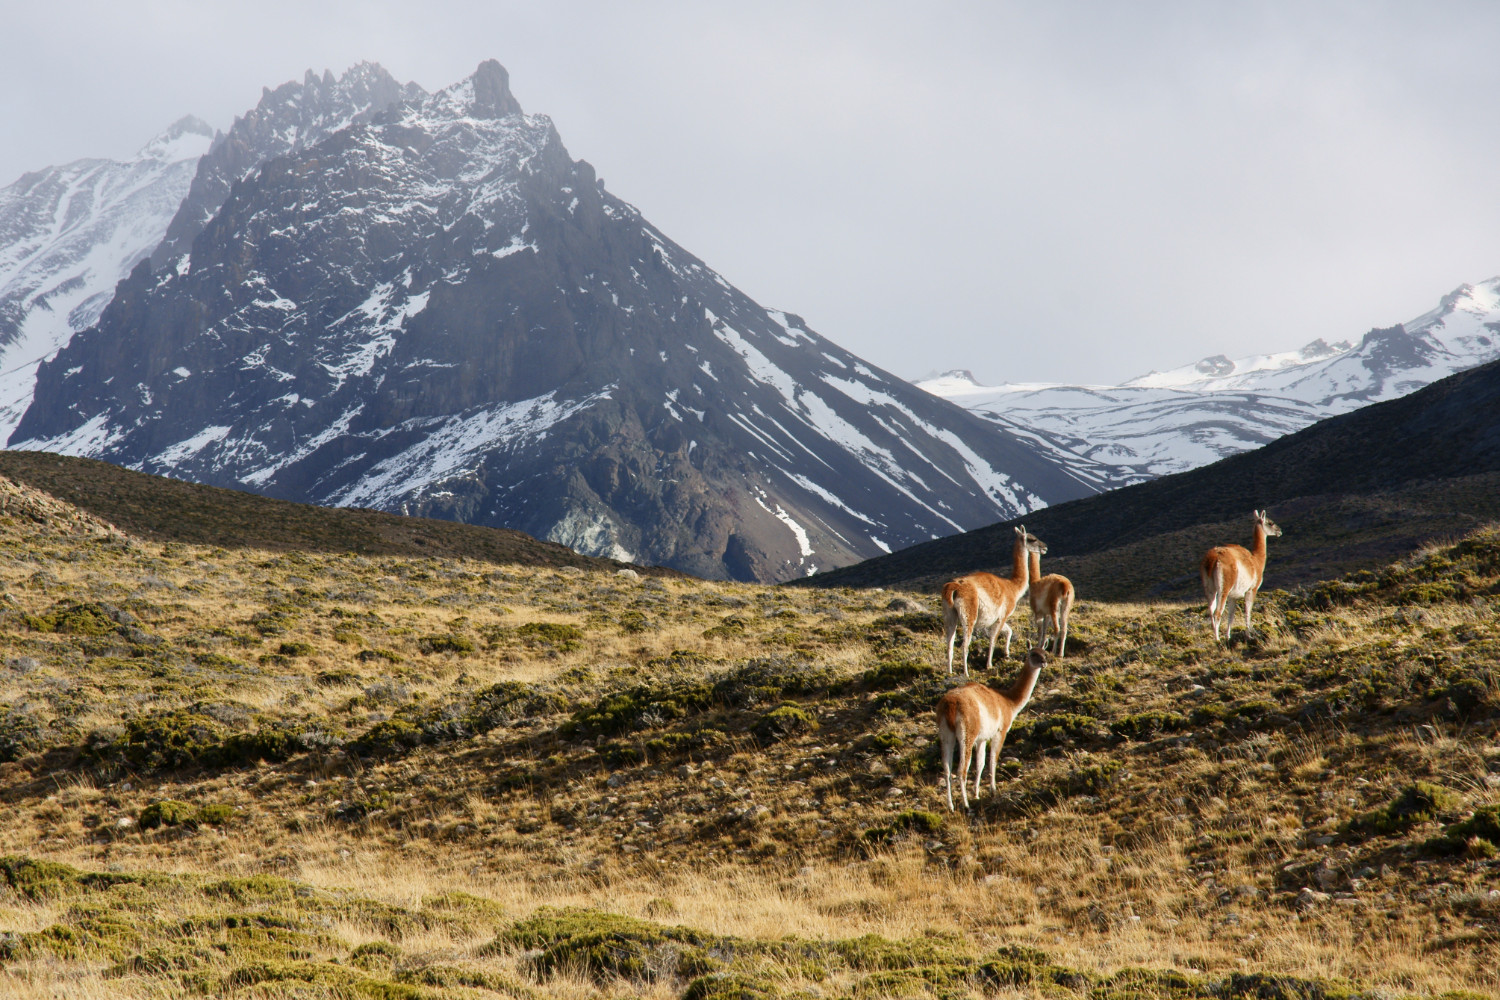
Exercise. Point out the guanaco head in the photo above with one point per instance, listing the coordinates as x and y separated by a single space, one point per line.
1264 520
1032 543
1036 659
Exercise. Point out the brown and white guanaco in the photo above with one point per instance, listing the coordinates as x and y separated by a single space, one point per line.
1051 601
985 601
973 721
1231 571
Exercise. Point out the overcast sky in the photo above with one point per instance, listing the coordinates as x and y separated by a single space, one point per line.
1044 191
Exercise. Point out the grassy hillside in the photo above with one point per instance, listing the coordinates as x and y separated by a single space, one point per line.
161 509
276 773
1351 491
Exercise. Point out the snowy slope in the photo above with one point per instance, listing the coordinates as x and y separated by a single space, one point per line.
68 235
436 310
1166 422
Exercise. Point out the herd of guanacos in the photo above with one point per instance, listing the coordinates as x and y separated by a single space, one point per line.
974 719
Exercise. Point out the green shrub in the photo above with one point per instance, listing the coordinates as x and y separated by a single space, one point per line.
1060 729
625 711
560 637
1419 802
769 679
296 649
896 673
371 655
390 738
1478 835
80 618
170 739
730 627
1148 724
167 812
784 721
608 945
214 814
910 821
731 986
632 622
21 733
446 644
375 955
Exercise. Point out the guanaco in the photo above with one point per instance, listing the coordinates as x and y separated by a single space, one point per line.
1231 571
1051 602
985 601
975 718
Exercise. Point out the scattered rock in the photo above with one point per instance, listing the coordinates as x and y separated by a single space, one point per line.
628 574
903 604
1309 898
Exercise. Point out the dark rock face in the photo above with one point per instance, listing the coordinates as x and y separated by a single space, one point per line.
293 116
435 310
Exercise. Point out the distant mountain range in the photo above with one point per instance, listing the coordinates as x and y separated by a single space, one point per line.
1350 492
1171 421
374 296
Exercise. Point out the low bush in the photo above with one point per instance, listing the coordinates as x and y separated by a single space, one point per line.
1419 802
784 721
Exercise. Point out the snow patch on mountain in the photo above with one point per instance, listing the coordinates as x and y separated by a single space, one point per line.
455 447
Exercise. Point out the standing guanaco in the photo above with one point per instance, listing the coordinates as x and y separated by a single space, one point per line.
1231 571
975 718
985 601
1051 602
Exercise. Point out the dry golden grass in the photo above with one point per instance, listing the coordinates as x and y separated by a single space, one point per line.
1170 823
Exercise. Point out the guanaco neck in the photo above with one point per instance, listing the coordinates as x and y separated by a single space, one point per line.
1258 552
1018 564
1020 692
1036 567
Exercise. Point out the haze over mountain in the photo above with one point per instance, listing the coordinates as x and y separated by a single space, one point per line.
436 310
1166 422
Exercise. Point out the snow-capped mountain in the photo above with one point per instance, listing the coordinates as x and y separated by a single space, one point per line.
1165 422
436 310
68 235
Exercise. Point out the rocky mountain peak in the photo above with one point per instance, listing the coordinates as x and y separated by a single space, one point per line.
492 96
292 117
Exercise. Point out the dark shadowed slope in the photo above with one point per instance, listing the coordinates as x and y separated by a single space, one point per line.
162 509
